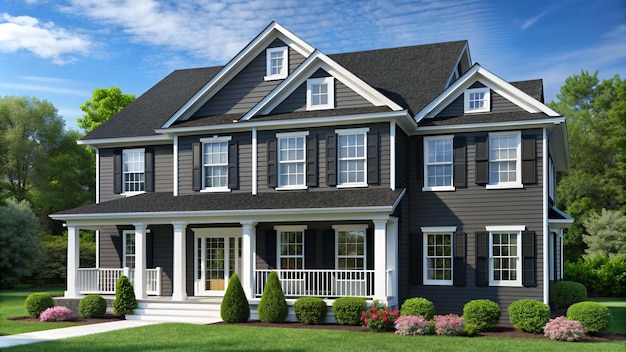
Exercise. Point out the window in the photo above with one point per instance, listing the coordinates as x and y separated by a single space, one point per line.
438 255
505 247
291 160
129 249
504 160
276 59
291 246
352 157
477 100
351 244
215 163
320 93
133 169
438 163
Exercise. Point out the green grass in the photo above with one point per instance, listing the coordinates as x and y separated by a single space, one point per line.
187 337
617 306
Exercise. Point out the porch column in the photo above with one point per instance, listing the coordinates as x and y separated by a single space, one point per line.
248 250
140 261
380 260
392 260
179 286
73 262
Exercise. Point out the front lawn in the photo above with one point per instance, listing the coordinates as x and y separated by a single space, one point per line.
617 306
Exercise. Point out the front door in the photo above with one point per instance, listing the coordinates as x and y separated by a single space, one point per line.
217 258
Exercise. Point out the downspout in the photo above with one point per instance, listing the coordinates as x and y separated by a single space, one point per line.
175 152
546 264
254 162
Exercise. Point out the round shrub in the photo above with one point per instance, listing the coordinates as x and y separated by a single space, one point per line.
92 306
273 306
57 313
564 330
529 315
418 306
234 307
125 301
348 310
594 316
310 310
38 302
482 313
566 293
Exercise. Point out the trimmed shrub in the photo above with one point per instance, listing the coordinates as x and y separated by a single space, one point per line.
379 319
234 307
92 306
310 310
594 316
37 302
482 313
529 315
125 301
418 306
410 325
470 329
348 310
273 306
57 313
451 325
564 330
566 293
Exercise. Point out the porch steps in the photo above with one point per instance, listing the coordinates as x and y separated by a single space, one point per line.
194 313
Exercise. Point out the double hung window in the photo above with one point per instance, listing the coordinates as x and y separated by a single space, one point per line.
504 160
215 163
438 154
505 248
276 59
352 157
133 170
291 160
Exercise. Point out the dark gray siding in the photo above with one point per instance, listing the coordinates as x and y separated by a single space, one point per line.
402 161
110 248
344 98
163 255
106 175
498 104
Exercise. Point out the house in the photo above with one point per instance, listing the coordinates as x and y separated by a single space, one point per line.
384 174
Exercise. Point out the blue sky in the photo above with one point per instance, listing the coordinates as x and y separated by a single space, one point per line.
60 50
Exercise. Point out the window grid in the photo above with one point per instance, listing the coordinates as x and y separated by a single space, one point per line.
215 262
129 250
352 158
439 257
476 100
439 163
503 159
276 62
292 161
319 94
134 171
292 250
505 257
351 250
216 165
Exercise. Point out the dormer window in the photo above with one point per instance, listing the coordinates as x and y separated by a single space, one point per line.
477 100
320 93
276 59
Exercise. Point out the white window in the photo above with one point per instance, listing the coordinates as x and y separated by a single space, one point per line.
133 171
290 246
505 248
128 257
352 157
351 247
320 93
215 163
438 255
291 160
505 160
438 163
477 100
276 60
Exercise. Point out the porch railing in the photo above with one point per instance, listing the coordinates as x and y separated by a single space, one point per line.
103 280
320 283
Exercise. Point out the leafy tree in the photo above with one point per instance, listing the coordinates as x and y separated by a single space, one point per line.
104 103
606 233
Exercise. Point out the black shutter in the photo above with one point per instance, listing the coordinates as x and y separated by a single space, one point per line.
117 170
459 161
270 248
529 164
482 259
482 160
528 259
329 249
196 174
233 165
373 176
416 263
331 160
149 169
458 260
272 164
310 247
369 243
419 150
311 161
149 250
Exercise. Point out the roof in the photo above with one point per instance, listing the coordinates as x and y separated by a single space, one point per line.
483 118
534 88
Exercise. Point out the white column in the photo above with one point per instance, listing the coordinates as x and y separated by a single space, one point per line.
380 260
179 289
73 262
140 261
248 253
392 257
254 162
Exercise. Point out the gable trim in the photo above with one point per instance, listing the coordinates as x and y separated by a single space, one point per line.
493 126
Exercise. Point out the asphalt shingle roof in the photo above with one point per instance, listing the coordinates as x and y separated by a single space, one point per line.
483 118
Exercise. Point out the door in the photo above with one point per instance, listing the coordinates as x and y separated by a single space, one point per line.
217 258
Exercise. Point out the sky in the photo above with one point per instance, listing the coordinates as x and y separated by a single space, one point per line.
61 50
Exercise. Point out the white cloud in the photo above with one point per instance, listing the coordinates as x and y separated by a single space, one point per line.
531 21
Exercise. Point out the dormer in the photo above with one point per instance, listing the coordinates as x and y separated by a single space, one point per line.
277 63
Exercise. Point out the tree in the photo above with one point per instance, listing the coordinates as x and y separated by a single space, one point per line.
606 233
104 103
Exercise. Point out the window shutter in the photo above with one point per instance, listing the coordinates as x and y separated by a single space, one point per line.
233 165
149 169
310 246
419 149
482 160
270 248
117 170
196 174
528 259
416 261
459 161
482 259
373 176
272 164
329 249
529 165
458 259
311 161
331 160
149 250
369 243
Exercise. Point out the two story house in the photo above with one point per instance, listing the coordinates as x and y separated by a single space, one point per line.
384 174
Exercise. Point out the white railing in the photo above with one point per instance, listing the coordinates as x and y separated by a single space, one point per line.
320 283
103 280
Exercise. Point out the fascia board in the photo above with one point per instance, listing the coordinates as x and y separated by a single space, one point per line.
126 141
504 125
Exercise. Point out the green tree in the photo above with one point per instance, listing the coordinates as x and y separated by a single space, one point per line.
606 233
104 103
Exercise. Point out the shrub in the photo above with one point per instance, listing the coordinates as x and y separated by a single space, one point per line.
37 302
529 315
418 306
564 330
450 324
410 325
92 306
594 316
273 306
379 319
310 310
348 310
234 307
470 329
57 313
125 301
483 313
601 275
566 293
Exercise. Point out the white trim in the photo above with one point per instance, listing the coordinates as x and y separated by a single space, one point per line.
289 228
125 234
292 134
203 233
505 228
97 150
298 134
435 282
545 229
504 125
519 270
175 151
346 228
438 229
518 161
216 139
126 141
392 155
486 100
346 131
97 248
426 187
330 93
254 161
268 63
125 152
